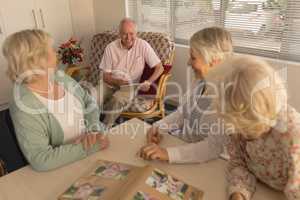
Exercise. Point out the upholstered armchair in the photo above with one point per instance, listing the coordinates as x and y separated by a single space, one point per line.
146 104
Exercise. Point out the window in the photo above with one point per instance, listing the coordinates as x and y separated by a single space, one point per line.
151 15
268 28
191 16
242 8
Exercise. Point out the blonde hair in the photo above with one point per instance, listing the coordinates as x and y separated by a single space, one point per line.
254 97
212 43
24 51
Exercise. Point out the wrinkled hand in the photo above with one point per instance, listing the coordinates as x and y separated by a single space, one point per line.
90 139
145 86
121 82
237 196
103 141
154 152
153 136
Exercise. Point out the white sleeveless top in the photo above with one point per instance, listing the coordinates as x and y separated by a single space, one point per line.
69 113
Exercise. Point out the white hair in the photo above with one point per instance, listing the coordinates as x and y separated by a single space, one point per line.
125 21
24 51
254 94
213 43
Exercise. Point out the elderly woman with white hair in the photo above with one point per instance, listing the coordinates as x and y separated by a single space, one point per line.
209 47
55 120
266 143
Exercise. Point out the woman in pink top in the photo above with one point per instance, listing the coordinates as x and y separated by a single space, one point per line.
266 146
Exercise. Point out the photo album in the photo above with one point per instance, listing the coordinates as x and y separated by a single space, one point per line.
116 181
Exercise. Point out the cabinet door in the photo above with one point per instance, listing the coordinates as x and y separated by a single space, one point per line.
5 83
18 15
55 18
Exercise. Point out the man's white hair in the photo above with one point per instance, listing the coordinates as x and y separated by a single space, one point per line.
127 20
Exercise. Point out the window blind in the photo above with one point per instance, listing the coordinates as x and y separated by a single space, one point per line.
269 28
151 15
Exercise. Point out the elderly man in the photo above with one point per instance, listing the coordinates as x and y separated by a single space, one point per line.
122 64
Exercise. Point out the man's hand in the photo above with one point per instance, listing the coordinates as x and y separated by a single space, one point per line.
237 196
111 80
153 136
121 82
145 86
154 152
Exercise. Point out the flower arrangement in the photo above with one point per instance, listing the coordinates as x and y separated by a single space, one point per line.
70 52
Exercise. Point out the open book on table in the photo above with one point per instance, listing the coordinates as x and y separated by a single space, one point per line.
116 181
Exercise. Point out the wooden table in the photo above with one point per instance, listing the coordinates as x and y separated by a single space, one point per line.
126 140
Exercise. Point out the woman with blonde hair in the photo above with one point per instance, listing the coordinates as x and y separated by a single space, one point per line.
55 120
208 48
266 143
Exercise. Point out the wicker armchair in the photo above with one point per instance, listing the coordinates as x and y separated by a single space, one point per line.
147 104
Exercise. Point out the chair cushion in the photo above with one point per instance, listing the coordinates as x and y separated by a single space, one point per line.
147 74
140 104
98 45
162 44
3 169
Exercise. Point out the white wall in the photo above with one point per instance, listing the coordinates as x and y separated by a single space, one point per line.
93 16
293 72
6 85
293 85
83 19
108 13
182 75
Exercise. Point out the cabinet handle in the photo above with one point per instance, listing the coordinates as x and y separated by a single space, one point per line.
34 17
42 18
1 32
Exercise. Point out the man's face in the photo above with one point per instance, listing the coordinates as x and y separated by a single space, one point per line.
128 34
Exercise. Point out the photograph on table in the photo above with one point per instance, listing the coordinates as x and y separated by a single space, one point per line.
111 170
110 180
83 191
143 196
167 185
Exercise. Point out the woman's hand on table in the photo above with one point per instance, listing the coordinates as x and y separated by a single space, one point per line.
153 136
237 196
103 141
88 140
154 152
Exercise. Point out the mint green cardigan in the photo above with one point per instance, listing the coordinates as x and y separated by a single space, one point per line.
40 135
